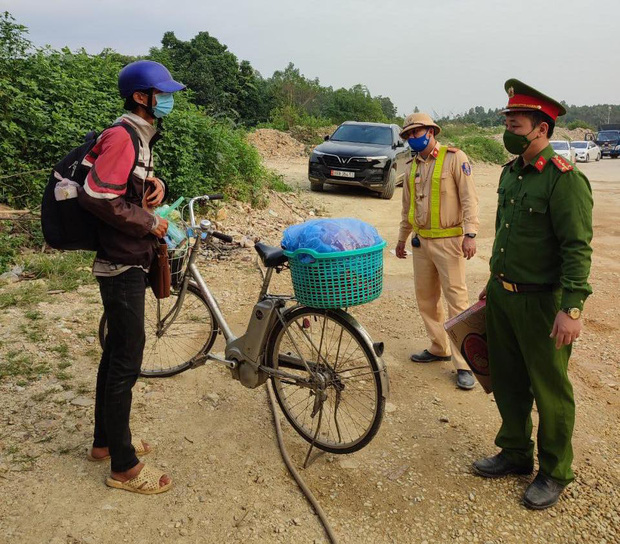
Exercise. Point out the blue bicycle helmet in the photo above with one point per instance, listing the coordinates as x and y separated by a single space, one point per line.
143 75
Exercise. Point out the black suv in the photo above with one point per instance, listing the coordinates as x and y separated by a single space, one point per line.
368 154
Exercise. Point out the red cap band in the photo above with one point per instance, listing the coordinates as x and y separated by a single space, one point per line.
522 101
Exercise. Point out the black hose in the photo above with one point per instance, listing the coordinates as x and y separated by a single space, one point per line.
302 485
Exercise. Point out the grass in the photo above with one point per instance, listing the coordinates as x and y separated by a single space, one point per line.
61 349
477 142
64 271
20 363
25 296
33 315
34 332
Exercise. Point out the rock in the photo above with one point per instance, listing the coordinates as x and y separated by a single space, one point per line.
390 408
348 463
83 402
246 242
90 339
272 213
213 398
444 419
221 215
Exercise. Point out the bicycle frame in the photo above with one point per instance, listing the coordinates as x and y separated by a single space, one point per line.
244 354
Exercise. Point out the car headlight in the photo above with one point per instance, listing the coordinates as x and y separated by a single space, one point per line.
378 162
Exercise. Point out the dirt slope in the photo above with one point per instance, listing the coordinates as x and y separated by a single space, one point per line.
411 484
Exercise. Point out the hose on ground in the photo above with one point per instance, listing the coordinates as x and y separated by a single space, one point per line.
289 464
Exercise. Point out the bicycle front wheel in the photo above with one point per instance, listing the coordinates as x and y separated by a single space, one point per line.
169 351
333 395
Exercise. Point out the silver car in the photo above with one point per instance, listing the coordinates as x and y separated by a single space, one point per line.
563 148
586 151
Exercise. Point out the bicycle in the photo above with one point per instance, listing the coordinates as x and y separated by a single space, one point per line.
327 374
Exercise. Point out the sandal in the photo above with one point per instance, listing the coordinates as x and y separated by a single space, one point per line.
138 446
145 483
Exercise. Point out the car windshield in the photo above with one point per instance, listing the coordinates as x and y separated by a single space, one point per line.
363 134
559 146
608 136
579 145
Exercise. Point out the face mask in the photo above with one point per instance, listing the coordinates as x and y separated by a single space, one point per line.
517 144
165 103
419 144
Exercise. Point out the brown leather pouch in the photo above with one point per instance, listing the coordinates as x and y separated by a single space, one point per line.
159 274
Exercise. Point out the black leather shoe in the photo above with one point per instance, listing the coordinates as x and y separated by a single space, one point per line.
498 466
542 493
465 379
427 357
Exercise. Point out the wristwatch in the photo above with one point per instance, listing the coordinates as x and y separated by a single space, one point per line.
573 313
471 235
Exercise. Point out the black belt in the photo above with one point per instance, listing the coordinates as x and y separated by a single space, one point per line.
524 287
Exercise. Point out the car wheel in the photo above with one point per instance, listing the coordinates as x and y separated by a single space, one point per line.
316 186
388 188
598 157
587 157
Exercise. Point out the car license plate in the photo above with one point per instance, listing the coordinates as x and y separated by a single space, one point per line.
342 174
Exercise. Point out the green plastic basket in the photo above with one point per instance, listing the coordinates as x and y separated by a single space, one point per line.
337 280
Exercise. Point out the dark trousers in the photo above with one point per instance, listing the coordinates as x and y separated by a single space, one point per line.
525 366
123 302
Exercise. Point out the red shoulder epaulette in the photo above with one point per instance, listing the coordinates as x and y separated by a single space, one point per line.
453 149
561 163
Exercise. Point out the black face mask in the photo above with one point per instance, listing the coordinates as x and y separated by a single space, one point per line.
517 144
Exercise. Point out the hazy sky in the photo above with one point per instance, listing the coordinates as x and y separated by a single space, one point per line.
443 56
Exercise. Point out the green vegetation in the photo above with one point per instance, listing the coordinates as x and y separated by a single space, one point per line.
62 271
478 143
21 363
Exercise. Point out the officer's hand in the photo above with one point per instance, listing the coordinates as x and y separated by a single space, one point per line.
155 193
161 228
469 247
401 252
483 293
565 330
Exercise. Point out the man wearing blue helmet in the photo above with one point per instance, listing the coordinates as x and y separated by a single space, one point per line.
121 191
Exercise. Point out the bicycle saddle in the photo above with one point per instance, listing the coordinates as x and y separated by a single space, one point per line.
271 256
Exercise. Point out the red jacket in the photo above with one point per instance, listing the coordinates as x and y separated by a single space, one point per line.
113 193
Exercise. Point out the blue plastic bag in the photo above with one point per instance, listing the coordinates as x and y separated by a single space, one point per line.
330 235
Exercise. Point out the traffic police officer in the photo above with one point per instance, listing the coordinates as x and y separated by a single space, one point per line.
539 281
440 205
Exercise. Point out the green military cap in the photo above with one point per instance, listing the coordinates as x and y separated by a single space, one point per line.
522 97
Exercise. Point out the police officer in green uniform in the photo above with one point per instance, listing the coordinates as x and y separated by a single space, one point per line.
539 281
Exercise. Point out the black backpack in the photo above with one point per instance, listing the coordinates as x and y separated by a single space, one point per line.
65 224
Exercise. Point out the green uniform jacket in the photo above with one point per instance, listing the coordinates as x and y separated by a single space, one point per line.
543 227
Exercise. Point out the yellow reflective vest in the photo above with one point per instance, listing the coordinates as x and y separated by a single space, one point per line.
436 231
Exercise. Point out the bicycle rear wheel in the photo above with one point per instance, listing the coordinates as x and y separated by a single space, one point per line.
339 404
192 332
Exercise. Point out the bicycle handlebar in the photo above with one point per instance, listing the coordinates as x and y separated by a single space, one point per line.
222 236
192 219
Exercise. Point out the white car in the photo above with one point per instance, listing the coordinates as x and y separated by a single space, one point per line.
586 151
563 148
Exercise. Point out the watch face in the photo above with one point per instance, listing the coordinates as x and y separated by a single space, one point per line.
574 313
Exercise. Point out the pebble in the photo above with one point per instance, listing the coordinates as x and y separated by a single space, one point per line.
390 408
83 401
444 419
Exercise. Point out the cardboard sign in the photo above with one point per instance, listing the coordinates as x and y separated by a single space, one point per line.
468 332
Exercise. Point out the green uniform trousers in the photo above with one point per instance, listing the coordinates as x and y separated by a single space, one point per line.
525 366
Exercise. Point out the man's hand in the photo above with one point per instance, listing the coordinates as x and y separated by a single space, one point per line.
469 247
565 330
155 192
401 252
161 228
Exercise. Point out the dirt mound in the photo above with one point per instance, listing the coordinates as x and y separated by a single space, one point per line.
561 133
272 143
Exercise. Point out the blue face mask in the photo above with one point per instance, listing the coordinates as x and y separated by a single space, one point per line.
165 103
420 143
